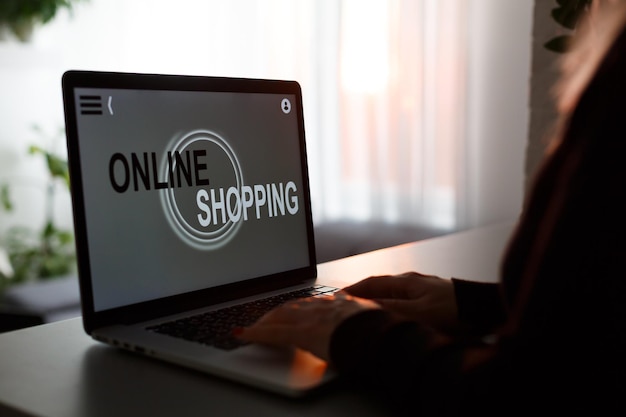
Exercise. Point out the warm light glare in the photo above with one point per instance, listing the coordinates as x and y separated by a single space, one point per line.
364 46
306 368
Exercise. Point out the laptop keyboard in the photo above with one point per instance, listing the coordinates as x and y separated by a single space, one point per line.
214 328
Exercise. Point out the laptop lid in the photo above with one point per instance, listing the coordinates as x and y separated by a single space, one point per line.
186 191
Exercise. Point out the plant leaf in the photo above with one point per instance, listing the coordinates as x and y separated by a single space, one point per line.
5 197
57 167
558 44
568 14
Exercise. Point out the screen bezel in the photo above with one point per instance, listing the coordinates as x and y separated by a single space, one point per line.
147 310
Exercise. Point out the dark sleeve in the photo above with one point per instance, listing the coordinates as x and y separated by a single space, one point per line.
480 305
390 356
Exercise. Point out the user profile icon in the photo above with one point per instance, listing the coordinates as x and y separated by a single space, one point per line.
285 106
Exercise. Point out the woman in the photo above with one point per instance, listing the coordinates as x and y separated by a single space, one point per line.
552 335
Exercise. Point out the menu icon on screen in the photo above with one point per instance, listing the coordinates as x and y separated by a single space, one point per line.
90 105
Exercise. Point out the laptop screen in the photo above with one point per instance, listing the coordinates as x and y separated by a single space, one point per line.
188 190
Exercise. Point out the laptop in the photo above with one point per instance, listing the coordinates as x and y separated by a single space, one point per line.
191 204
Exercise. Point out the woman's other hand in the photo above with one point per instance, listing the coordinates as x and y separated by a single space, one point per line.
427 299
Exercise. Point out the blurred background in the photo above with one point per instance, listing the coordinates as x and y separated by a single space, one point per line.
415 111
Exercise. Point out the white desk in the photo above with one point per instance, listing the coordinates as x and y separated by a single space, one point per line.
57 370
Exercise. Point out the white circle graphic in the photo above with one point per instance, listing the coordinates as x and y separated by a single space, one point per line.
195 237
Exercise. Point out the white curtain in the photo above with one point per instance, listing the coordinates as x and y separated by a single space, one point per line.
384 85
401 110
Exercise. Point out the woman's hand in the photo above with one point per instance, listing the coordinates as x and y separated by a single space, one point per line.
307 323
427 299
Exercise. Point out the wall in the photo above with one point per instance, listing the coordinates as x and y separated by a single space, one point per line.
544 74
499 60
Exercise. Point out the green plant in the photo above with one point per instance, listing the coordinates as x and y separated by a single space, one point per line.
567 14
21 15
43 254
